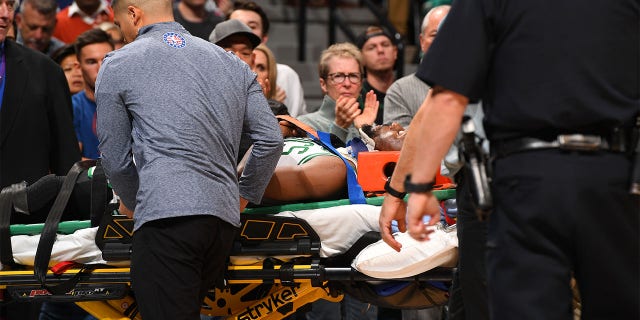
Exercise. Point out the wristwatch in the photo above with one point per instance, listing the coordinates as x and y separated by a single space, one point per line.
392 191
410 187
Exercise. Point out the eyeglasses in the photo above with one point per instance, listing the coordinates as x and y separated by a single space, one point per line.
11 4
339 77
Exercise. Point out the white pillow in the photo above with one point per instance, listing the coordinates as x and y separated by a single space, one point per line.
339 227
379 260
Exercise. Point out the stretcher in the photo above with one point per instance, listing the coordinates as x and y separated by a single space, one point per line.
291 274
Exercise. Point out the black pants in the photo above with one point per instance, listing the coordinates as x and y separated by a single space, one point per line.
557 212
174 263
469 289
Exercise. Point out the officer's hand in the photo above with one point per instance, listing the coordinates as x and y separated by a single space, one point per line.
392 209
419 205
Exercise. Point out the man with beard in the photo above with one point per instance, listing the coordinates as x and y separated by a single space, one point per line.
194 16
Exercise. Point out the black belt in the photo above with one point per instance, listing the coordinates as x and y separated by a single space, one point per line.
618 141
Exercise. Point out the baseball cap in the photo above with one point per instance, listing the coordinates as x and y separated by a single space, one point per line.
230 27
368 34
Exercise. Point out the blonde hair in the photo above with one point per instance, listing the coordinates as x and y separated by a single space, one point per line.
271 69
343 50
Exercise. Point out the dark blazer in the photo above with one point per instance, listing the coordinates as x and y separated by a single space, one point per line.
36 119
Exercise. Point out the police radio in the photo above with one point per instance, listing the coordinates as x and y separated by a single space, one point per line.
477 168
635 173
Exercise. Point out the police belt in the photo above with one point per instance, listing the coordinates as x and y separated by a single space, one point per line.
618 141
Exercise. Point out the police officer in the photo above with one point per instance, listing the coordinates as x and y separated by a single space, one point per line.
559 85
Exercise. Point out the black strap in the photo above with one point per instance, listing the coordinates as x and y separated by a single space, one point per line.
98 194
48 236
6 253
132 310
71 283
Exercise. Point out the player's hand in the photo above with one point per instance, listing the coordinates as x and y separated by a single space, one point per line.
392 209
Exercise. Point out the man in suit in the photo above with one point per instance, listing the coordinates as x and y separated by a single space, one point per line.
36 130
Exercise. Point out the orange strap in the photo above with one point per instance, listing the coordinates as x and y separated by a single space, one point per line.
301 125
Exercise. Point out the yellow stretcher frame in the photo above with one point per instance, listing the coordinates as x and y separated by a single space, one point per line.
105 293
282 299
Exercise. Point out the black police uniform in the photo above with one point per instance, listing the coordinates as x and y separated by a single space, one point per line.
546 69
468 296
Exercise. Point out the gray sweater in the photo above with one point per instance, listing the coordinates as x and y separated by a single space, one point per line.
324 120
178 105
403 99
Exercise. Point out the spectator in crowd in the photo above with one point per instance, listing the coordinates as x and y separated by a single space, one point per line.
11 31
405 95
340 69
81 16
35 23
220 7
265 68
379 55
236 37
68 60
289 88
114 32
36 130
183 187
194 16
91 47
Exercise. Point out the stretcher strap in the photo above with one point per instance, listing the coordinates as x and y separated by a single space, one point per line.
301 125
98 194
356 195
6 253
48 236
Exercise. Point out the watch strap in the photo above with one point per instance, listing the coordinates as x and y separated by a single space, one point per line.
410 187
393 192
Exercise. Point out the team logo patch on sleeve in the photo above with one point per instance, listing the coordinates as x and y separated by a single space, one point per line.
173 39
